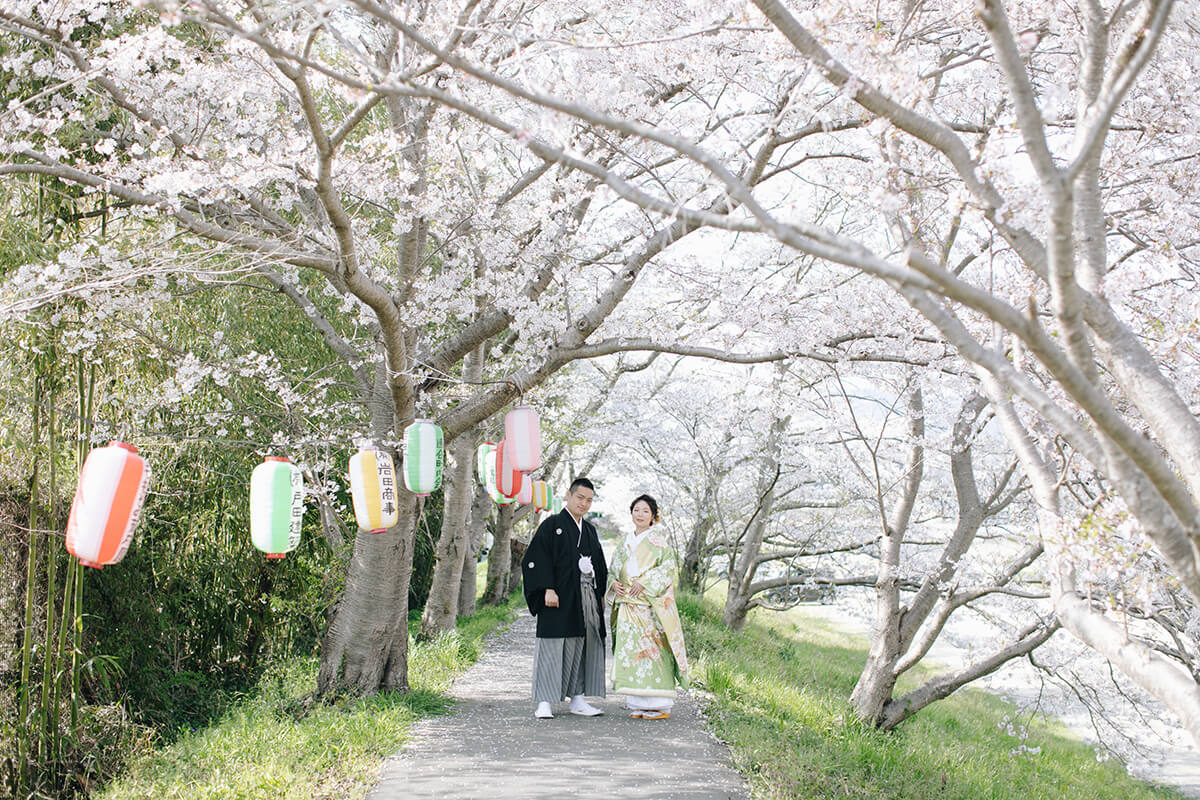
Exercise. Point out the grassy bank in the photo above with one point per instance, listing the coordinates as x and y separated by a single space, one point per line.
776 692
779 696
278 744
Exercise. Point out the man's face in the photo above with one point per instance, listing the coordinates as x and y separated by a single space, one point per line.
579 501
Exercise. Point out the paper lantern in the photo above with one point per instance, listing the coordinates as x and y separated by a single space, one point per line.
373 490
422 457
489 472
525 496
276 506
541 495
556 505
107 505
481 454
508 479
490 477
524 437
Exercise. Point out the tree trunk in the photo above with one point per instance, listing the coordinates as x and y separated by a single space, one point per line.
970 518
691 572
481 508
365 649
740 597
877 682
896 711
517 550
689 569
735 613
499 558
441 609
467 581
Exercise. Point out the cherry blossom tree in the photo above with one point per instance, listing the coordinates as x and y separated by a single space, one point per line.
1019 179
781 480
447 268
1037 138
907 625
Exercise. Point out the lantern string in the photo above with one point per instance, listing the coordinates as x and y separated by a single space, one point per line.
102 429
445 377
44 531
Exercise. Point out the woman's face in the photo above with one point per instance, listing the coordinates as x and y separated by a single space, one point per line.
642 516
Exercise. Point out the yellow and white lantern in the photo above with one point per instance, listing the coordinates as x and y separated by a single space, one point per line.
373 490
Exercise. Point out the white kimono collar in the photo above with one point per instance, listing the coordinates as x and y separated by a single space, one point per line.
634 539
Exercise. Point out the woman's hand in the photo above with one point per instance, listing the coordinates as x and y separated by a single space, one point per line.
619 588
636 589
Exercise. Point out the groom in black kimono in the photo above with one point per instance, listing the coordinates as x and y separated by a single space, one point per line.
565 577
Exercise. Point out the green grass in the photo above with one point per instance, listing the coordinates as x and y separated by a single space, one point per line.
779 697
276 743
777 693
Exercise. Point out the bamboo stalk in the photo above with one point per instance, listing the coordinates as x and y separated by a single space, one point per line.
63 660
82 439
23 727
52 552
77 651
49 665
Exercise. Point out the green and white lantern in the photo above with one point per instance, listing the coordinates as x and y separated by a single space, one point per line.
423 457
489 472
276 506
481 462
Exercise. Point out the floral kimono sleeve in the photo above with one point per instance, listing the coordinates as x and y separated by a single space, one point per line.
614 572
610 596
660 590
657 579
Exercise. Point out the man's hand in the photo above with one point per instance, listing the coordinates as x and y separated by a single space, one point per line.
551 598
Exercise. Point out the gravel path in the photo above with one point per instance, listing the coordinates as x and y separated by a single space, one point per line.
491 747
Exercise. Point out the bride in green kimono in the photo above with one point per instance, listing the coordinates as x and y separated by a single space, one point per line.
649 658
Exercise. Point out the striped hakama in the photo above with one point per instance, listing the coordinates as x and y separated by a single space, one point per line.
570 666
563 668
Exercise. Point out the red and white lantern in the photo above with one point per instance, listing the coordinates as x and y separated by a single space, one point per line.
508 478
107 505
524 436
525 496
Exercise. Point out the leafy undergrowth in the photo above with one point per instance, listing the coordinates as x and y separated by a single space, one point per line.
778 694
278 743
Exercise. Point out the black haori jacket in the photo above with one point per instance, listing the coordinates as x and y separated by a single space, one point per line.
552 562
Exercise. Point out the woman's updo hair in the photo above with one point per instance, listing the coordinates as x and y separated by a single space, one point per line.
648 500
